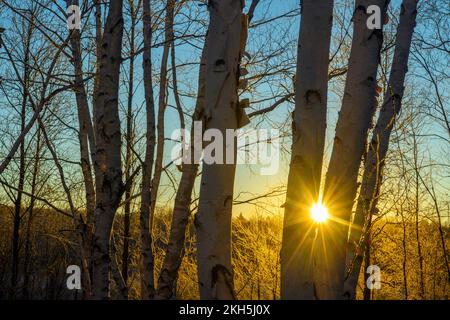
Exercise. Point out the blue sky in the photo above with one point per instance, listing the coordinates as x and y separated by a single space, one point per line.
280 34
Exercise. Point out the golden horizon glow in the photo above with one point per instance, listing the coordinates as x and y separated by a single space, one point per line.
319 213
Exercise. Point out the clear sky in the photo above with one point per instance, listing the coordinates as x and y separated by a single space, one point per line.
279 37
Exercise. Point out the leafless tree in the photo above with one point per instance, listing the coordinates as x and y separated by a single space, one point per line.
213 219
308 141
354 120
375 159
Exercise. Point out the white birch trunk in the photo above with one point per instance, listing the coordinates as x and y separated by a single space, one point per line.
308 132
213 220
378 147
174 253
354 120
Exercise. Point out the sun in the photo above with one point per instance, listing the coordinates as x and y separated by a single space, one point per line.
319 213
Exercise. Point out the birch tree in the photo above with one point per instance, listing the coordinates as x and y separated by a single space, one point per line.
182 204
213 219
146 264
162 105
130 141
378 147
308 140
108 164
85 136
352 127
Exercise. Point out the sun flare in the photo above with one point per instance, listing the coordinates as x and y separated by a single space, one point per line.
319 213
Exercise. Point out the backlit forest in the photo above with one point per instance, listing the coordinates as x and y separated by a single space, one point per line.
224 149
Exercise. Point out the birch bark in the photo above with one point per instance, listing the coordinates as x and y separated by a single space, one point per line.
308 132
352 127
108 166
378 147
213 220
181 212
